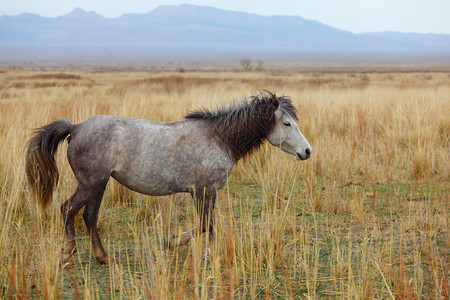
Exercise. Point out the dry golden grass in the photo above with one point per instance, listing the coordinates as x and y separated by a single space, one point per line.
365 217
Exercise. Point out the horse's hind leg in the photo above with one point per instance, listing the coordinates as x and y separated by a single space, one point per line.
69 210
90 216
89 196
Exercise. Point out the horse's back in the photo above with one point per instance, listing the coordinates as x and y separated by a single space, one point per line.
150 157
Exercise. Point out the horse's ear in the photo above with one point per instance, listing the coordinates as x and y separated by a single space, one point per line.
275 102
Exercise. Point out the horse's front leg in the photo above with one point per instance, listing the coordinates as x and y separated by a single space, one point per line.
205 210
204 203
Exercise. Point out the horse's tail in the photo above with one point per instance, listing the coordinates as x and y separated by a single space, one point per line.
40 165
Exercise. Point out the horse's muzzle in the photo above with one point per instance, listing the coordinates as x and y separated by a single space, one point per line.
305 156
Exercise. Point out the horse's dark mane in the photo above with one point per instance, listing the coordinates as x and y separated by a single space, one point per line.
244 126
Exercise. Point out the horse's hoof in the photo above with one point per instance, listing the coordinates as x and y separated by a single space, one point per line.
67 256
106 260
65 259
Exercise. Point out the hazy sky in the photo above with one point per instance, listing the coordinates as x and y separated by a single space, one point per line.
424 16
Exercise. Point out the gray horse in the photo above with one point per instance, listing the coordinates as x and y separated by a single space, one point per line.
193 155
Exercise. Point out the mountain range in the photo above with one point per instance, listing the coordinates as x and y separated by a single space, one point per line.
199 32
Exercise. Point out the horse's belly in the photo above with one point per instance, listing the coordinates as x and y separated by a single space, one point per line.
148 186
173 178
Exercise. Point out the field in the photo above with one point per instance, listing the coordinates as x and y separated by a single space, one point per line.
366 217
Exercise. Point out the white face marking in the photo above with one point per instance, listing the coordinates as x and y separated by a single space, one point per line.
287 136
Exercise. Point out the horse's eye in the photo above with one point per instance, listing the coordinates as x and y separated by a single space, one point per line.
287 124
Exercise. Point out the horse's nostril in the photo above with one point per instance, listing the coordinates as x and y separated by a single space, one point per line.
308 152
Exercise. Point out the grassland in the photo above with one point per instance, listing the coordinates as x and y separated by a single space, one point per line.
366 217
